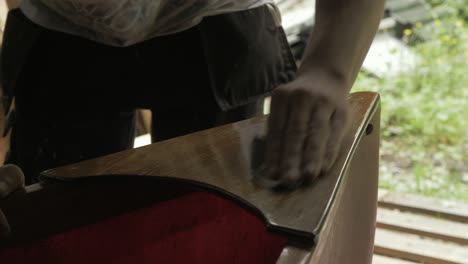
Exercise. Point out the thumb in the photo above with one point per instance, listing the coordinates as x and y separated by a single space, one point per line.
4 227
11 179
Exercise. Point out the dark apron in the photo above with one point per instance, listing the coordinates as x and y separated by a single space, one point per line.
247 53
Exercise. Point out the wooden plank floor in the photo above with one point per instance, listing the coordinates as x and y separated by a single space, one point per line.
415 229
379 259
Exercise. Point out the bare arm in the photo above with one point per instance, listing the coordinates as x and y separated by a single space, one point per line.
342 36
309 115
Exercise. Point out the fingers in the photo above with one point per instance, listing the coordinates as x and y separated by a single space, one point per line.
298 130
338 126
276 125
294 137
11 179
315 144
305 132
4 227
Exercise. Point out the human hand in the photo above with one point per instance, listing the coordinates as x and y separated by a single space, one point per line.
11 179
309 117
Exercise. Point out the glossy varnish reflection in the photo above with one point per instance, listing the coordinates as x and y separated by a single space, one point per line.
336 211
219 158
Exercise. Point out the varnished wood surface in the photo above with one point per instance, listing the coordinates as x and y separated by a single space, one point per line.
339 208
219 159
347 235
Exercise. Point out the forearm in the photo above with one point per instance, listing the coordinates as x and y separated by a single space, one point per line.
341 38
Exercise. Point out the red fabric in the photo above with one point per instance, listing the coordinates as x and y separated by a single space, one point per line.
196 228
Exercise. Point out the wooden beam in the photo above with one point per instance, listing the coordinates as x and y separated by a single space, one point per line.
382 193
378 259
416 248
417 204
422 225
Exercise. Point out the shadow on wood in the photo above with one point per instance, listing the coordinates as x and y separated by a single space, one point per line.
180 181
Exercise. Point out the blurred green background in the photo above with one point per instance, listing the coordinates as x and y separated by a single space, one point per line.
425 109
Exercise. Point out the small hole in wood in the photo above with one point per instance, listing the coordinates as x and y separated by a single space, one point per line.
369 129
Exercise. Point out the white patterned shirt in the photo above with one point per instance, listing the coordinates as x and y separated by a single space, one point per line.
126 22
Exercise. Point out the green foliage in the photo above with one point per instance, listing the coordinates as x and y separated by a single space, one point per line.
425 111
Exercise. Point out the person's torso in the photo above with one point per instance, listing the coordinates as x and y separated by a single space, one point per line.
126 22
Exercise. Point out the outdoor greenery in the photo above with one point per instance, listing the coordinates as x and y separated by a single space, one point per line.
425 110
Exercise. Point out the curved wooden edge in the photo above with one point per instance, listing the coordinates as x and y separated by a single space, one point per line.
45 209
219 162
296 255
347 234
358 136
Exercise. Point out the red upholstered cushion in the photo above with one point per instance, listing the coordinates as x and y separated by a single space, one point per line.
195 228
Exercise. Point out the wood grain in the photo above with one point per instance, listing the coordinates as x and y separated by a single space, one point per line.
338 211
219 160
419 249
428 226
449 210
348 233
387 260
